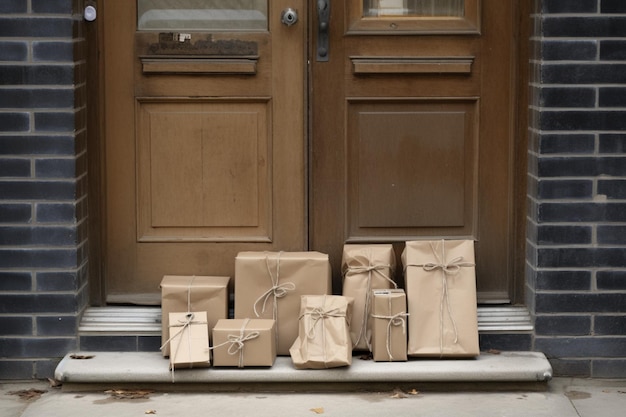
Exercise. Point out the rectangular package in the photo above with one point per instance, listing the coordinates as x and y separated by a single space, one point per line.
364 268
440 280
244 342
193 294
389 336
269 285
188 338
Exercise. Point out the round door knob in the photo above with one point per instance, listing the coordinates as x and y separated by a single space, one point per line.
90 13
289 16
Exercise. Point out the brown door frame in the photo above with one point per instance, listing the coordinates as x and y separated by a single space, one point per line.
95 144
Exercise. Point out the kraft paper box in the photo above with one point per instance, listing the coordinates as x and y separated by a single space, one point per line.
323 333
440 286
365 267
193 294
244 342
189 340
269 285
389 336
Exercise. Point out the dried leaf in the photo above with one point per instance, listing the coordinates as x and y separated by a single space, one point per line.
28 394
494 351
77 356
397 393
54 383
319 410
122 394
150 412
413 392
367 357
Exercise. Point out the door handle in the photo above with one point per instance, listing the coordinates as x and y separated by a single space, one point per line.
323 26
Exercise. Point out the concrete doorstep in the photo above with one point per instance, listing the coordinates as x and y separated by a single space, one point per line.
84 371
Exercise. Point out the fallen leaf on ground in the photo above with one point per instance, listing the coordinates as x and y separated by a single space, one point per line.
28 394
367 357
150 412
397 393
319 410
494 351
76 356
54 383
123 394
413 392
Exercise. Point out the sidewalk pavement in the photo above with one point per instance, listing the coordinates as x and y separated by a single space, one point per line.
564 397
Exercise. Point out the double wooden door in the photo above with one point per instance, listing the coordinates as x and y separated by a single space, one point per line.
303 125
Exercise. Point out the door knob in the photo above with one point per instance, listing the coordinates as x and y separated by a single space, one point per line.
289 16
90 13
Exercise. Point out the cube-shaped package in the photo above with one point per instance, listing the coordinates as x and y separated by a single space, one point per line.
440 283
269 285
323 334
193 294
244 342
188 338
389 317
365 267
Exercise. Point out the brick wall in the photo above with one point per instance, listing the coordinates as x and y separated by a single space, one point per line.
42 184
576 279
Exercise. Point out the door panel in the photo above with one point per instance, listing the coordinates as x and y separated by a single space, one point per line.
205 124
211 182
412 127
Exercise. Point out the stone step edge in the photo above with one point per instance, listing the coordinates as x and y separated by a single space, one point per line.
118 369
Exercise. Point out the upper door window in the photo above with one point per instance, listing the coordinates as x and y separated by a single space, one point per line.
413 16
204 15
413 7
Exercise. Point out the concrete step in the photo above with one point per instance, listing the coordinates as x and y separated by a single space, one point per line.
149 370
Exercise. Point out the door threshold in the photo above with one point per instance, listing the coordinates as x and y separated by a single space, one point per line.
146 321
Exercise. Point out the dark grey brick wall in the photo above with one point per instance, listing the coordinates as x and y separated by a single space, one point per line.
43 274
576 279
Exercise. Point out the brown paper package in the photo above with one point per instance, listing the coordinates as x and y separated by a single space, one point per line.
365 267
323 335
440 282
189 340
269 285
389 328
193 293
244 342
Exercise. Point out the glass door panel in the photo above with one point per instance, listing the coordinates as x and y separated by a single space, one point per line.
387 17
413 8
205 15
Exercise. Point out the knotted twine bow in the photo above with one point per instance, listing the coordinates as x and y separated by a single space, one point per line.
318 314
183 324
451 268
394 320
359 269
275 292
237 342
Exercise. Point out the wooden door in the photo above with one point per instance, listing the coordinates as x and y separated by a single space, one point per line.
413 128
204 114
